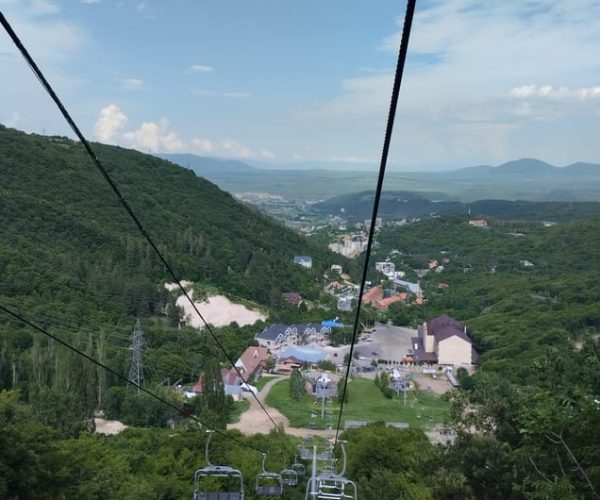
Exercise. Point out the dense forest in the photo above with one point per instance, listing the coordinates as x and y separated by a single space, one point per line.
396 205
526 423
73 263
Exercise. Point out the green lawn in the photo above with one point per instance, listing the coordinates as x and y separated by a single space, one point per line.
262 381
365 402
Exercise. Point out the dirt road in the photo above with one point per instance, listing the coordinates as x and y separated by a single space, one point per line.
254 420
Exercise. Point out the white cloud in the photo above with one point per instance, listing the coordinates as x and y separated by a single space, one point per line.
455 102
110 122
155 137
202 146
132 83
232 148
557 93
48 37
199 68
228 148
267 154
90 2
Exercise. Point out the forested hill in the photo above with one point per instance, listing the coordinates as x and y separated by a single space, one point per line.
403 204
64 238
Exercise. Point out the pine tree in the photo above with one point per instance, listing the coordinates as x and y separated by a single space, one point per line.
213 392
296 385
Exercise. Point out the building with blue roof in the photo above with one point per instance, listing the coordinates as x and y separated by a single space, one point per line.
331 323
302 354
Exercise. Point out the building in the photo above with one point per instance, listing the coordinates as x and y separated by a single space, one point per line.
387 268
292 298
478 223
311 332
378 223
413 288
277 337
303 260
386 302
345 303
252 362
444 341
301 355
336 268
350 245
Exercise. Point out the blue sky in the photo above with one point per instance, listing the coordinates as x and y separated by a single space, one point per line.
486 81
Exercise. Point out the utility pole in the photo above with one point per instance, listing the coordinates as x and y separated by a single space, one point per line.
136 370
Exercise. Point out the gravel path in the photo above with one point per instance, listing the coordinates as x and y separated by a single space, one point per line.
254 420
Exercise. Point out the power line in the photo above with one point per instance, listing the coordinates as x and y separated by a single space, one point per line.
181 411
408 17
42 79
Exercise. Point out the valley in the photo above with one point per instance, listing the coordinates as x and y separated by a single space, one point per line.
515 282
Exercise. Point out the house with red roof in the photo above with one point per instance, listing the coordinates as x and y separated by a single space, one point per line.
444 341
252 362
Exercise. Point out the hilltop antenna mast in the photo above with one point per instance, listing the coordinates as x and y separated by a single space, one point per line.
136 370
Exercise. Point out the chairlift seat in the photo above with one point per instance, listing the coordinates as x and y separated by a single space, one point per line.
218 495
299 469
269 484
223 471
289 477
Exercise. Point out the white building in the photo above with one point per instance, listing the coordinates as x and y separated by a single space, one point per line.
387 268
444 341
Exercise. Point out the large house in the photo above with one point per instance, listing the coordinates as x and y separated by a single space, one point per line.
252 362
279 336
444 341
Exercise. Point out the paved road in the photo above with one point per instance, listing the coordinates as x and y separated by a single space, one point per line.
254 420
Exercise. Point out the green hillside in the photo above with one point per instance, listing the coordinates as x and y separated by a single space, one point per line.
72 261
64 234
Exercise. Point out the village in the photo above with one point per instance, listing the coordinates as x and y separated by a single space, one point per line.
406 365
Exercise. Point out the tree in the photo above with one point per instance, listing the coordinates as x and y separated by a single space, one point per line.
296 385
213 392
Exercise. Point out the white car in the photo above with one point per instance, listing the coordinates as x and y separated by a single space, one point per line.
249 388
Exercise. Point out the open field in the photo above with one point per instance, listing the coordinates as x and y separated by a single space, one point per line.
365 402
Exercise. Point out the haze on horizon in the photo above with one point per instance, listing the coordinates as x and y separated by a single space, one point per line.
485 83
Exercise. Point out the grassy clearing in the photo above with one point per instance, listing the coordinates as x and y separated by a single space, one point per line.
262 381
365 402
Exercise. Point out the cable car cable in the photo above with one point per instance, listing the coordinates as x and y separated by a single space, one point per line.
42 79
181 411
408 17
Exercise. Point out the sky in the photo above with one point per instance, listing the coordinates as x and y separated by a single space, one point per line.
286 82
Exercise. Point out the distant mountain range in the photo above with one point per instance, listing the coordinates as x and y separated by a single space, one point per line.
524 179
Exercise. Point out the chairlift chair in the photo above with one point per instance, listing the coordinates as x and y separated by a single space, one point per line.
268 483
230 476
329 485
289 477
298 467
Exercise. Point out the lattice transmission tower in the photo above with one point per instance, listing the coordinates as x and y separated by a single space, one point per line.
136 369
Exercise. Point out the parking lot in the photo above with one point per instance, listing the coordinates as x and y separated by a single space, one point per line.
386 342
